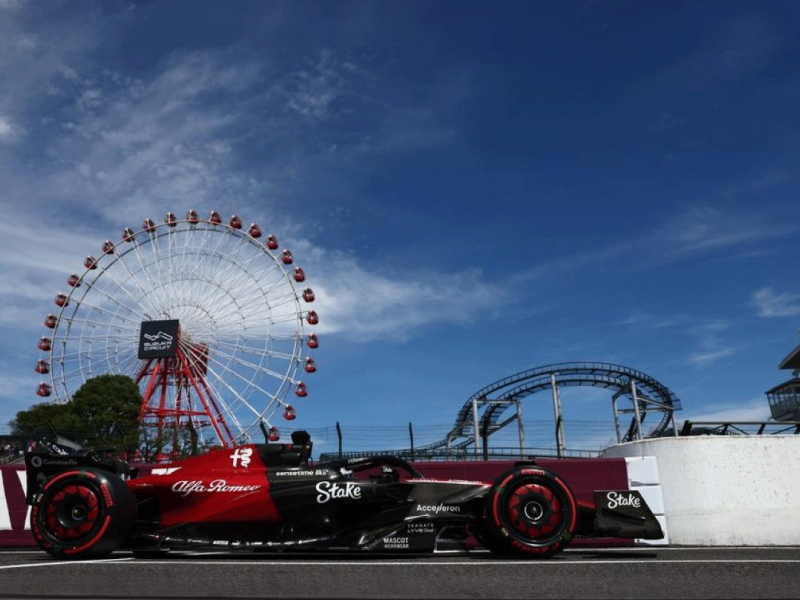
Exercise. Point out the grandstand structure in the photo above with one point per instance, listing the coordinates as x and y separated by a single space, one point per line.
784 399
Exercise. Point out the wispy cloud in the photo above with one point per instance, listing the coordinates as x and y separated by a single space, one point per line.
711 343
694 232
362 304
752 409
116 149
702 359
770 303
8 133
706 337
705 229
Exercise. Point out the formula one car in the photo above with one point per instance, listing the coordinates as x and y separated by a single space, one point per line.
269 497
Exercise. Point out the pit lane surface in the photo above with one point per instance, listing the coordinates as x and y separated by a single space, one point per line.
602 573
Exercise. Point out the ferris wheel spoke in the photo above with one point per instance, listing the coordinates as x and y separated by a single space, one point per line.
287 355
133 277
239 320
225 413
111 298
235 406
236 375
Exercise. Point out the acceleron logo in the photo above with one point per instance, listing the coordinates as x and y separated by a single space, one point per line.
158 339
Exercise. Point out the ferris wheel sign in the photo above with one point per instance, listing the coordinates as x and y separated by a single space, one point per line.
204 315
158 339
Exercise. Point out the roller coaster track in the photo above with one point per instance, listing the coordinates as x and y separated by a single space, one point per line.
491 402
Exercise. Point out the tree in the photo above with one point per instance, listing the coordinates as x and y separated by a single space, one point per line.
104 411
41 419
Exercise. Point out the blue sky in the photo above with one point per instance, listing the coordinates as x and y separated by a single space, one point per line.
473 188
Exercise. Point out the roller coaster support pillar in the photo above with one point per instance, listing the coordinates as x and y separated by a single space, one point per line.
636 411
476 434
614 401
560 445
520 429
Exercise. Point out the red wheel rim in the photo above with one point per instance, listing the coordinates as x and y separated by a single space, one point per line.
72 512
534 511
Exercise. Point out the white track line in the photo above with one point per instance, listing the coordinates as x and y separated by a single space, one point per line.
393 563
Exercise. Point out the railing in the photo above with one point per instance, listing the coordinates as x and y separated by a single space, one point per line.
462 454
740 428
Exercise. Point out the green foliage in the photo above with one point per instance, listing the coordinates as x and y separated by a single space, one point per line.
102 413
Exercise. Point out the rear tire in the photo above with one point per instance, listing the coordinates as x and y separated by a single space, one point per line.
83 513
531 513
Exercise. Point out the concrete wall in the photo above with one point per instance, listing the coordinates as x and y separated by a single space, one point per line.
726 490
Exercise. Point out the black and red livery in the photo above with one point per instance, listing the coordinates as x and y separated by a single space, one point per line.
270 497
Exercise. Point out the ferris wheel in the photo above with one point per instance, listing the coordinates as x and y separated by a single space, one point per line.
205 316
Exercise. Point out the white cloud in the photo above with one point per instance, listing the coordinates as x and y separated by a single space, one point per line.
312 91
363 305
694 232
703 229
753 409
702 359
769 303
7 131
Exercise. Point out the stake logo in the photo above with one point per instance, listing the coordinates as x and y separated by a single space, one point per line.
616 499
328 490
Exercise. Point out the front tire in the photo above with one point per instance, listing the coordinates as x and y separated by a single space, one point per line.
531 513
83 513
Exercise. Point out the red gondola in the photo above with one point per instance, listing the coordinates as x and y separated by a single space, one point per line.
45 343
73 280
43 390
272 242
299 275
149 225
236 222
313 341
289 414
310 365
308 295
50 321
42 367
108 247
274 435
61 300
215 219
192 217
90 262
128 235
286 257
171 219
312 317
301 390
254 231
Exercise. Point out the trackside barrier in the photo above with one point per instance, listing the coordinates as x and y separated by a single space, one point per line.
584 475
725 490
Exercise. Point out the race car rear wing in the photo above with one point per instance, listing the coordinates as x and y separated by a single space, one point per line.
48 459
624 514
